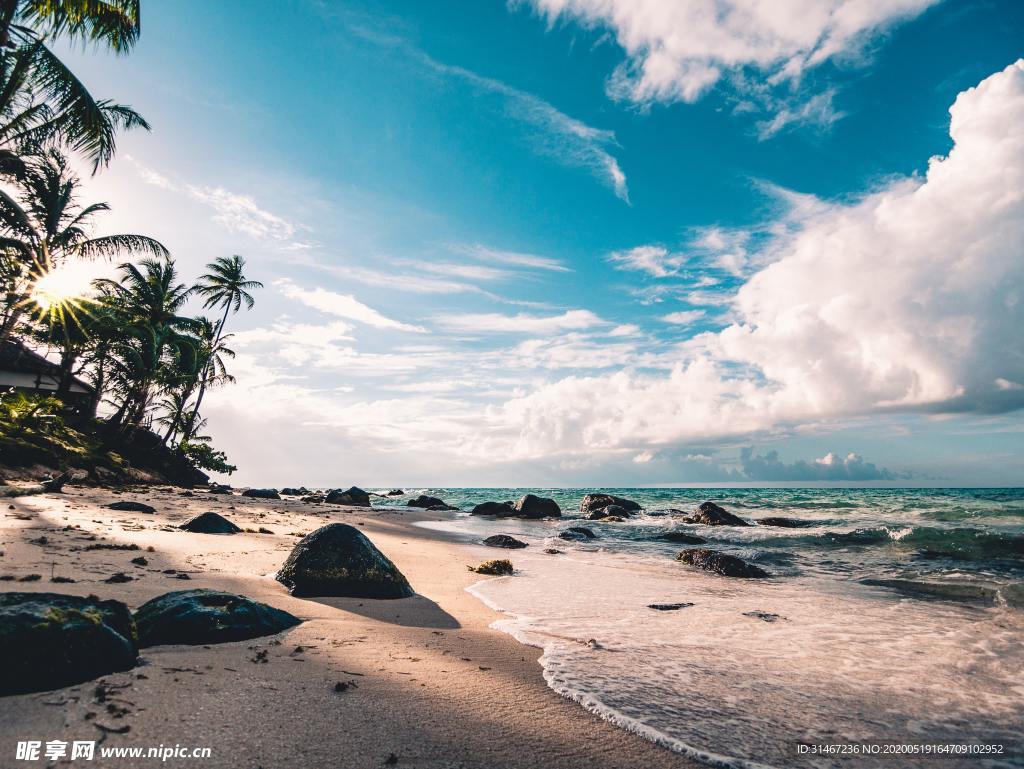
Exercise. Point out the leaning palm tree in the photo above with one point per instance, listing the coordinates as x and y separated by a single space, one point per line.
45 227
40 98
149 303
225 285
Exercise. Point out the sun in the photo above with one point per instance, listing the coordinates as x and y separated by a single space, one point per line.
62 285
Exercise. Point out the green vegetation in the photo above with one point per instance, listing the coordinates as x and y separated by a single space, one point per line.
143 358
498 568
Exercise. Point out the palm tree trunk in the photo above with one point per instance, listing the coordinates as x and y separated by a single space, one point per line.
187 431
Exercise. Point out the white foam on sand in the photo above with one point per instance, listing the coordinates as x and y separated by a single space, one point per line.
718 683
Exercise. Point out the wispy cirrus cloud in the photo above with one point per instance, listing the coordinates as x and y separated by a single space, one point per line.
343 306
656 261
515 258
522 323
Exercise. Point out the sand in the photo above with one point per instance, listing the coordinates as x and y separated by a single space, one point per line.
430 684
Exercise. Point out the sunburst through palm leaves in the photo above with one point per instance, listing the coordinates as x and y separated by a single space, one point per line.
59 296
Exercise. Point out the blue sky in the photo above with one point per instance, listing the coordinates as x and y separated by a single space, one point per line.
550 243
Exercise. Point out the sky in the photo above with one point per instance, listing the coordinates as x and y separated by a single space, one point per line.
594 242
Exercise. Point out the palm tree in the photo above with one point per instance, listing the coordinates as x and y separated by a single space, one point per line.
149 301
207 364
45 227
225 285
40 98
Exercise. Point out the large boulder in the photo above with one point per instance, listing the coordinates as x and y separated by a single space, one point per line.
423 500
207 617
720 563
131 507
353 496
504 540
210 523
338 560
500 509
532 506
711 514
611 512
261 493
592 503
49 640
290 491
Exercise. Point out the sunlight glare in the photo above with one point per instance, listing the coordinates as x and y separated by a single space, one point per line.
63 284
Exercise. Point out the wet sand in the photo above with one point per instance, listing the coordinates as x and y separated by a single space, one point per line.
430 684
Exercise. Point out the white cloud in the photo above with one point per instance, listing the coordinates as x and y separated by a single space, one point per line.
516 258
676 50
344 306
481 323
240 213
656 261
684 317
908 299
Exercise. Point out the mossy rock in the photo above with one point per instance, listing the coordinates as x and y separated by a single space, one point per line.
497 568
50 640
207 617
338 560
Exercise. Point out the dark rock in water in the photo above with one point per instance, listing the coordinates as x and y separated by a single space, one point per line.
131 507
338 560
611 511
711 514
783 523
606 518
720 563
353 496
441 508
668 606
424 500
762 615
207 617
293 492
532 506
594 502
682 537
261 493
504 540
210 523
394 493
49 640
970 592
500 509
577 534
498 568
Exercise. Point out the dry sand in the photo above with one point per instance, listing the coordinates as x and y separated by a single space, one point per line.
434 686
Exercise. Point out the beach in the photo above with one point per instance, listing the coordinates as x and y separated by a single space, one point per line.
425 680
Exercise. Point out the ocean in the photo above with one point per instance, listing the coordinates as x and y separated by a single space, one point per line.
891 631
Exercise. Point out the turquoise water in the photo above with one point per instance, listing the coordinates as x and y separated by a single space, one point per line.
891 615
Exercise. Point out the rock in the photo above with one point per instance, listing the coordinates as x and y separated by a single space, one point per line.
611 511
424 500
131 507
668 606
313 498
607 518
577 534
118 577
338 560
504 540
497 568
261 493
720 563
353 496
682 537
594 502
711 514
532 506
551 551
220 488
784 523
394 493
441 508
207 617
500 509
49 640
288 491
140 561
762 615
210 523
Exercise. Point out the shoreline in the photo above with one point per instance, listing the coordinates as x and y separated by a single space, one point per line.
435 685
